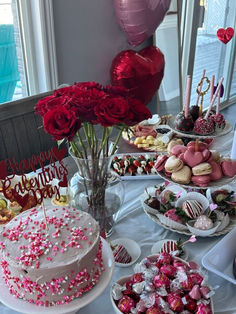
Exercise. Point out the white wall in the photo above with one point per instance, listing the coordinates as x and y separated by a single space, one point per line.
88 38
166 38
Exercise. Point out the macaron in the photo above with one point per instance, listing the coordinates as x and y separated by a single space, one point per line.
178 149
160 162
216 173
173 164
168 174
229 168
172 143
202 169
201 180
183 176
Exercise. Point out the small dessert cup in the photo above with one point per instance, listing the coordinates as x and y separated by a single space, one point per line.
194 196
202 233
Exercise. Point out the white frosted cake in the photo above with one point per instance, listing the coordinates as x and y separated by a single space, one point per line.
51 266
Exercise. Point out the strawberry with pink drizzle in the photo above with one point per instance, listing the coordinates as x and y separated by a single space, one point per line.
171 213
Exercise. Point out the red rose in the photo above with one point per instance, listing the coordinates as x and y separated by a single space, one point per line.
113 110
47 103
83 103
139 110
116 90
87 85
61 123
64 91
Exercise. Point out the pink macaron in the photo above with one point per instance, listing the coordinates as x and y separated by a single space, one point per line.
160 162
201 180
178 149
229 168
168 174
216 171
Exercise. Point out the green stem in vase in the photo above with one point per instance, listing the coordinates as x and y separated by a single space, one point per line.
75 149
117 140
85 129
82 144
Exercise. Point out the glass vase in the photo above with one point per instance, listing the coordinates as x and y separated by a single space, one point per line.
96 190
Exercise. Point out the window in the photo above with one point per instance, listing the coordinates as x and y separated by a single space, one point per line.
204 49
27 49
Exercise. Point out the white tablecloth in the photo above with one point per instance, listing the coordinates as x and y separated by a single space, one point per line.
133 223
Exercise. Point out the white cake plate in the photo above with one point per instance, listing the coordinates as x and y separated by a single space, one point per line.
24 307
226 130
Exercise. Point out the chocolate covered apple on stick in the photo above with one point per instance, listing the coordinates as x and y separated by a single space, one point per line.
218 118
195 109
184 121
205 125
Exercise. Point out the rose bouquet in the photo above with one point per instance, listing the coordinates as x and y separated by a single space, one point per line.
77 114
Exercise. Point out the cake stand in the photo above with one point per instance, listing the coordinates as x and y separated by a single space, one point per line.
24 307
226 130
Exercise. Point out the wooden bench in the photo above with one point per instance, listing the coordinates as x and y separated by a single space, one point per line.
21 131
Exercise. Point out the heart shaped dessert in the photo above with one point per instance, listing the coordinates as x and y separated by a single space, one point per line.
173 164
192 158
182 176
178 149
229 168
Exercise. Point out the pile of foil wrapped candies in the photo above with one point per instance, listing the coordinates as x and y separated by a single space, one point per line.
164 284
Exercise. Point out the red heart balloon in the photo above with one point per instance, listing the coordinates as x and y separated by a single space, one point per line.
225 35
140 72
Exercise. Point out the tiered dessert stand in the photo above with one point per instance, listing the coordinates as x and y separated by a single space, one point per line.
219 183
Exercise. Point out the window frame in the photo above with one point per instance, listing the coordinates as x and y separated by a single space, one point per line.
38 44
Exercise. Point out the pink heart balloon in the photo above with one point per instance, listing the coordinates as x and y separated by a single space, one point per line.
140 18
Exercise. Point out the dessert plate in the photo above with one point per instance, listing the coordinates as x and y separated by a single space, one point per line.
137 176
24 307
132 247
229 227
159 244
226 130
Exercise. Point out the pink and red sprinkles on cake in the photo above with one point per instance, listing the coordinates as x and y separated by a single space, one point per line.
55 286
39 244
